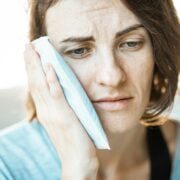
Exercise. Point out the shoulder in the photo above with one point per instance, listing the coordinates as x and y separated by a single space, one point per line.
172 126
170 130
24 135
26 151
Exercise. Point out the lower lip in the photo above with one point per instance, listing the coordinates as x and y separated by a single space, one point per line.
113 105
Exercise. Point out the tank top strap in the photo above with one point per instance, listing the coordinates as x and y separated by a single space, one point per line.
160 159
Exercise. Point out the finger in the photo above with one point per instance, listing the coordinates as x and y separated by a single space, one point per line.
54 85
36 76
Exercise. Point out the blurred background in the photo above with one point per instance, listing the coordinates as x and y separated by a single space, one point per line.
13 80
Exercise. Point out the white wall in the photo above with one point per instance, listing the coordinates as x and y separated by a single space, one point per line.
13 35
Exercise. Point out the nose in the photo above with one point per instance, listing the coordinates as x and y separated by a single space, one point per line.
110 71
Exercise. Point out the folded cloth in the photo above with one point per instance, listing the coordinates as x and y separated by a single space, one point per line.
73 91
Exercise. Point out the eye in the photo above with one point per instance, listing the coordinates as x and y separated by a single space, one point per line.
131 45
78 53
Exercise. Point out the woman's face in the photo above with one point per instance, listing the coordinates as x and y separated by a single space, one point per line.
111 54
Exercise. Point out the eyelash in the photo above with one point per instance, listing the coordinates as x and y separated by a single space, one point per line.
137 45
81 55
123 46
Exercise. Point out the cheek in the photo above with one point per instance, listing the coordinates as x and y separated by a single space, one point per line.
141 76
145 74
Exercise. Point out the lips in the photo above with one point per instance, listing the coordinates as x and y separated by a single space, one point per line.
113 104
112 99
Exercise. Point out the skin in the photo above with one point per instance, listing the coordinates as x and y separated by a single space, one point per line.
106 66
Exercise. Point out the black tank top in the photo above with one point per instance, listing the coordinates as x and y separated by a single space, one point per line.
160 159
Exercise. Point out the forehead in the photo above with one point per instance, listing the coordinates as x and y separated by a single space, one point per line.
69 17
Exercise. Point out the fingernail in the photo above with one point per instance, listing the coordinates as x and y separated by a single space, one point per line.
29 46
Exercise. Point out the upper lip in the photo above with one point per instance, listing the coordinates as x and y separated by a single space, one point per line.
112 99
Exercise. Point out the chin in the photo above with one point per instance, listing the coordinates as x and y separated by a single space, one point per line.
119 125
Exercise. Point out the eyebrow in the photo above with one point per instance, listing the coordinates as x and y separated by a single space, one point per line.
91 38
129 29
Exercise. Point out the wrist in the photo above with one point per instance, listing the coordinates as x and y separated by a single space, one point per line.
78 176
80 172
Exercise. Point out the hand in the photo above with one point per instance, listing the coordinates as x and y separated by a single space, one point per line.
75 148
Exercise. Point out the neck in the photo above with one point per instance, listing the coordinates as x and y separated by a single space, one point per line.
127 150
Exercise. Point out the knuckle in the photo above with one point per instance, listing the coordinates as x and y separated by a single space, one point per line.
36 86
51 79
56 93
40 86
30 54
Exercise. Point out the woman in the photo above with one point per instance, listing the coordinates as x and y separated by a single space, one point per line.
125 54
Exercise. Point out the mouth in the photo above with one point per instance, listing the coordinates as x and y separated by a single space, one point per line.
113 105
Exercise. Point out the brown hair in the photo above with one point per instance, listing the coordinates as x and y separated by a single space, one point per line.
160 20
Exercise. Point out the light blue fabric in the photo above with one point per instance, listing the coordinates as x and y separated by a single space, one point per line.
26 153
